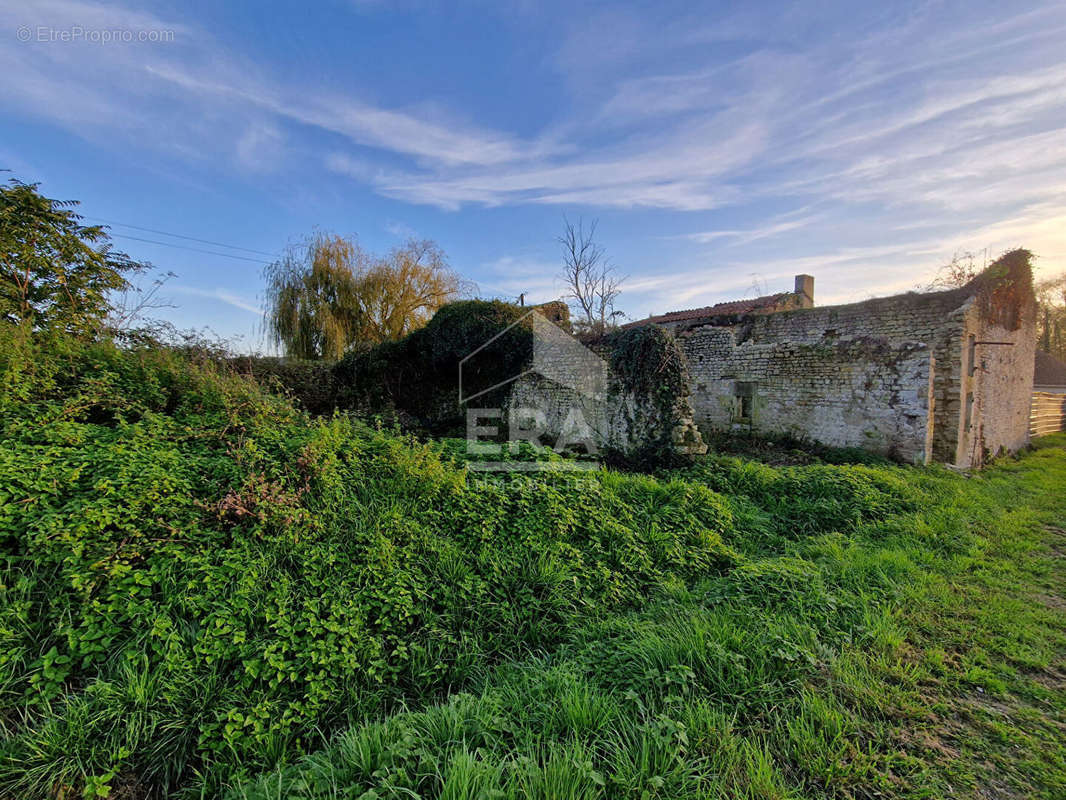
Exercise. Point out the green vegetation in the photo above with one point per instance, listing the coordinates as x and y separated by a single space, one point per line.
417 378
206 592
650 363
55 273
419 374
327 295
1051 315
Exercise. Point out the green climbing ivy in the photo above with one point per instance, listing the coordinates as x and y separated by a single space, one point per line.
649 363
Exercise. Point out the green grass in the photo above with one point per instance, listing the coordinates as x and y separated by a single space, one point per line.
205 593
913 654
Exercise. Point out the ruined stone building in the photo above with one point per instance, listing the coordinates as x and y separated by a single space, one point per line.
943 376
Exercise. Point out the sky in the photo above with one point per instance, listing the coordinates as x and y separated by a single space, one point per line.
722 147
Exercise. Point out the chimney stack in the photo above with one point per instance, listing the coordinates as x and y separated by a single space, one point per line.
805 290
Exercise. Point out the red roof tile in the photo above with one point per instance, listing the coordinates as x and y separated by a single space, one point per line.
731 307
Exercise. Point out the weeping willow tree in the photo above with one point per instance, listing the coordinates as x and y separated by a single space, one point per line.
328 295
311 308
401 291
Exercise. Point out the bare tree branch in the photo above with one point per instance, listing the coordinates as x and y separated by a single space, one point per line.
591 280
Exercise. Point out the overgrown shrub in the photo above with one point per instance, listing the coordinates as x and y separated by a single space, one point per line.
650 366
182 549
419 374
311 384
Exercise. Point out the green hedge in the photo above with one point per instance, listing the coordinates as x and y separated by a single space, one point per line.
419 376
312 384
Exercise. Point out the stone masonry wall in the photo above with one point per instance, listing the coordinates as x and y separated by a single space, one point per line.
918 377
877 375
995 387
943 376
871 394
616 421
569 398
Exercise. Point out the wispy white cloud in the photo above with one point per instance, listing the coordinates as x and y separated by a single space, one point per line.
910 133
204 94
400 132
401 230
908 258
226 296
782 121
834 116
260 147
677 174
773 227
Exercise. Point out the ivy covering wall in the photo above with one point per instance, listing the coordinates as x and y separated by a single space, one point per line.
417 378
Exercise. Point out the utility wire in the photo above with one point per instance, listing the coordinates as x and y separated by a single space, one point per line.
186 247
181 236
494 290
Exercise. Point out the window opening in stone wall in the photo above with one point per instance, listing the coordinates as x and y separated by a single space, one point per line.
744 391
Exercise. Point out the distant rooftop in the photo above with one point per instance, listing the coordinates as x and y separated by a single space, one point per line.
802 297
1049 370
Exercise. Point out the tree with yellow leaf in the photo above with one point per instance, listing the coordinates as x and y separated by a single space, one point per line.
327 295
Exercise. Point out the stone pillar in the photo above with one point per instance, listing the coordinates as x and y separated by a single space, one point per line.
805 290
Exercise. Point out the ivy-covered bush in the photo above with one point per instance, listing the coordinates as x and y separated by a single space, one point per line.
311 384
650 367
419 375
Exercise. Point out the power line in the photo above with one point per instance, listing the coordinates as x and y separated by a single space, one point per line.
186 247
182 236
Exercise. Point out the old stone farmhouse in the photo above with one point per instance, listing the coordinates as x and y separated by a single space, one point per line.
944 376
920 377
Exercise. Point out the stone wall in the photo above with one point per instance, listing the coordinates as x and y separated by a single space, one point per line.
618 422
919 377
943 376
570 398
996 385
867 393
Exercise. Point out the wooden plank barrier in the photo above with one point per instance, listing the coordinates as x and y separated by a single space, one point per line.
1048 413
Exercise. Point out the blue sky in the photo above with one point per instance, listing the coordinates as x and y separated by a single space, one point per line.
724 147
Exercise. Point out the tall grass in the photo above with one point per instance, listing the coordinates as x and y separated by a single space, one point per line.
827 664
206 592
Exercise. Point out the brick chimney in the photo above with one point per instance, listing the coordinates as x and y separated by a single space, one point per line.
805 290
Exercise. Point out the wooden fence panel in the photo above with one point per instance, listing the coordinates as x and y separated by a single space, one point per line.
1048 414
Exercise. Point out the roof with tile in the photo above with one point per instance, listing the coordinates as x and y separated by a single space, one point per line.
751 306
